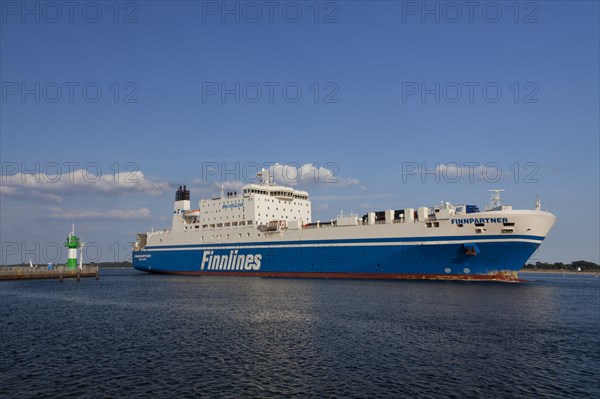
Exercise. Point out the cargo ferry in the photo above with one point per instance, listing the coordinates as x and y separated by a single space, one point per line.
267 230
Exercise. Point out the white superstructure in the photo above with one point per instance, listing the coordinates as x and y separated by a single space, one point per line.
268 212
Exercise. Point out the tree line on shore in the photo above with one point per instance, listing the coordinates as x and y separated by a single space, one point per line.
578 265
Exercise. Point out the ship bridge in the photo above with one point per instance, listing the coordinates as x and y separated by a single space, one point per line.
258 204
279 192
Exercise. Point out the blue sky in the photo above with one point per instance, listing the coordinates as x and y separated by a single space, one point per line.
379 91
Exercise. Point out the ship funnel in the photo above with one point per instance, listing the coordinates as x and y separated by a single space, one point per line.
182 194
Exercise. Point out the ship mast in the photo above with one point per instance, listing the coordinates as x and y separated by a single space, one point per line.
495 199
265 177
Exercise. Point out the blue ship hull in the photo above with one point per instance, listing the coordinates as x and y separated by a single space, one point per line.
492 258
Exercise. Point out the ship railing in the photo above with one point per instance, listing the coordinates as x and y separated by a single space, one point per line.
164 231
318 226
365 223
360 223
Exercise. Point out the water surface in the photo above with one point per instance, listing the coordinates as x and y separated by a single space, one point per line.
138 335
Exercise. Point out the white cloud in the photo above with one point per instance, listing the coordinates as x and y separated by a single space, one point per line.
310 174
89 214
79 182
289 175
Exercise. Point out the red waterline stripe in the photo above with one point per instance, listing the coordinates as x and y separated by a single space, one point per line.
373 276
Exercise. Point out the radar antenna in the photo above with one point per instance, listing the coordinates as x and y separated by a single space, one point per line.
265 177
495 198
538 203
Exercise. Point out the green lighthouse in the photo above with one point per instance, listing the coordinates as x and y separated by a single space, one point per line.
72 243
